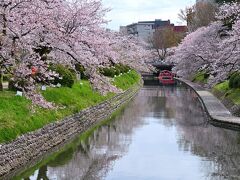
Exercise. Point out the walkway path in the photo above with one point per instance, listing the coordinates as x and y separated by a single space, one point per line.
215 109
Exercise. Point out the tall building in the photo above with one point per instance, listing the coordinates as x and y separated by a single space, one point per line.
145 29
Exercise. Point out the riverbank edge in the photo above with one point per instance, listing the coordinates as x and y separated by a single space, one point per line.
33 145
219 117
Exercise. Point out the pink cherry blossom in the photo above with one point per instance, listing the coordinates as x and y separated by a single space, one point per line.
214 49
38 33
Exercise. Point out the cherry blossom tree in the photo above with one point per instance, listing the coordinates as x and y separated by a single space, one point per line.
229 13
132 52
198 50
19 21
127 50
37 33
213 49
229 60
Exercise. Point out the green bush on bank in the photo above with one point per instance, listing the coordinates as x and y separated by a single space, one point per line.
234 81
115 70
67 76
200 77
7 77
223 87
81 70
231 93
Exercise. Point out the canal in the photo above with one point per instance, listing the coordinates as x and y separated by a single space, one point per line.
161 134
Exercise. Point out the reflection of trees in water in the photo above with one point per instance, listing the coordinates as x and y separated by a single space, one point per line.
96 155
92 159
109 142
157 103
219 148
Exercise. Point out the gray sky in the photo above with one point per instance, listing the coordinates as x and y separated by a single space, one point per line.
125 12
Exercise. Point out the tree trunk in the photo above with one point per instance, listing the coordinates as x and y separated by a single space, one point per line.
159 55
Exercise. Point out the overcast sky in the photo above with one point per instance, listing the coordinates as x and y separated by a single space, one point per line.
125 12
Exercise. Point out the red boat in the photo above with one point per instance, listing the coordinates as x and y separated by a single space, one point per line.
166 77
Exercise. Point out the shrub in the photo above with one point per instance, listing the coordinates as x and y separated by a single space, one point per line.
122 68
11 86
201 77
234 81
114 70
73 72
117 72
67 76
206 76
7 77
80 69
110 72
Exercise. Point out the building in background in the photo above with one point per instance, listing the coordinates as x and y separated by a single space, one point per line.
123 29
142 29
145 29
181 31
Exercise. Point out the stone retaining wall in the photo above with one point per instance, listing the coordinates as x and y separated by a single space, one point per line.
33 145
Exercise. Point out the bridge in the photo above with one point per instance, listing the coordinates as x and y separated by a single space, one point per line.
152 78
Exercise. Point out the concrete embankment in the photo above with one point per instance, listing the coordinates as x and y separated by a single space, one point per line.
32 146
217 112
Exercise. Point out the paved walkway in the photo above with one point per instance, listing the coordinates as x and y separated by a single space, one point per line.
215 109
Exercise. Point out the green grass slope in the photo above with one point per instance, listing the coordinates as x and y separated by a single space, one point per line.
231 93
17 118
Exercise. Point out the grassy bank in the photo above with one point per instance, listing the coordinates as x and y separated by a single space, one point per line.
200 77
230 93
126 80
16 117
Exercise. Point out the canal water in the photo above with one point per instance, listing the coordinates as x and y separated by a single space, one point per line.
162 134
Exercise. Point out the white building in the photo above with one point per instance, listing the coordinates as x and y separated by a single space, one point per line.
141 29
144 29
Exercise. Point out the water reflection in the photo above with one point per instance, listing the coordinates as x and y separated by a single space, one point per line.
161 134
